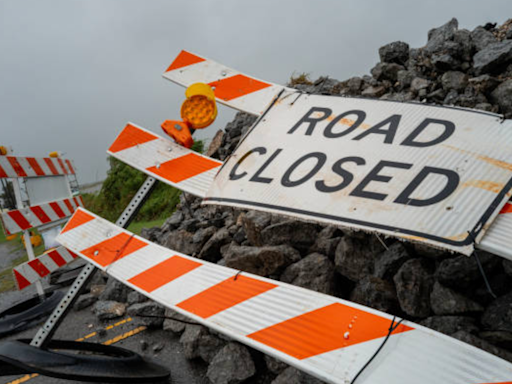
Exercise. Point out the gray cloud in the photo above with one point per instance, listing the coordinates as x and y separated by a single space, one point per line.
72 73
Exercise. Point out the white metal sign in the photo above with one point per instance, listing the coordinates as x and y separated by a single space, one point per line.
45 189
425 173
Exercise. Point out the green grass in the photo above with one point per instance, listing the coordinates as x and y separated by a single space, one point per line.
2 236
6 276
137 227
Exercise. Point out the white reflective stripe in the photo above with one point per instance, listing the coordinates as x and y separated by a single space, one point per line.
420 348
209 71
48 262
191 284
139 261
9 224
26 166
274 306
7 167
45 168
27 272
64 253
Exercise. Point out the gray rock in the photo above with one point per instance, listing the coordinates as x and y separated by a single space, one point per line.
507 267
438 36
190 340
445 61
263 261
389 262
325 246
182 241
386 71
482 344
445 301
315 272
430 252
174 221
484 83
417 84
135 297
501 339
85 301
354 257
189 225
354 85
374 91
482 38
450 324
405 78
152 234
294 376
395 52
240 236
215 143
493 57
211 250
502 95
106 310
413 285
97 290
375 293
498 315
174 326
462 271
158 347
454 80
275 366
253 223
115 291
298 234
149 308
233 364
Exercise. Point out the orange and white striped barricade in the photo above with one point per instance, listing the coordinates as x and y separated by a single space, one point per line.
327 337
34 270
49 202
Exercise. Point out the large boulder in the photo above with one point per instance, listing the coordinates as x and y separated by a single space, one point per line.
354 257
395 52
498 315
493 57
445 301
263 261
253 223
233 364
150 313
315 272
414 282
298 234
375 293
502 96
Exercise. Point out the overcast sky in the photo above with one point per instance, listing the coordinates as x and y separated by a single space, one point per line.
73 72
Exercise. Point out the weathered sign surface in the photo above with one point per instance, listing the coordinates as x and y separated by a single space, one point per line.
426 173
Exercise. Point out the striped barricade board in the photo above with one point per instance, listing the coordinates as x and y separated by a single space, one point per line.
143 150
34 270
164 160
11 166
232 88
32 217
325 336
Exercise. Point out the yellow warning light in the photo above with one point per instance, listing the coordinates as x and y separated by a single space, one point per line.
199 109
54 154
3 150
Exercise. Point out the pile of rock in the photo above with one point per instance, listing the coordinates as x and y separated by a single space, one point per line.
440 290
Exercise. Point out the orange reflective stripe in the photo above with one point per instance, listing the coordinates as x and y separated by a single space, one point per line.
69 205
326 329
184 59
114 249
224 295
79 218
129 137
236 86
507 208
184 167
71 170
163 273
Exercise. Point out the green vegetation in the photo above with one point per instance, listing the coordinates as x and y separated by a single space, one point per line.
121 185
301 78
137 226
6 276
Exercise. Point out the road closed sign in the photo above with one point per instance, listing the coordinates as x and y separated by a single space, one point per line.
424 173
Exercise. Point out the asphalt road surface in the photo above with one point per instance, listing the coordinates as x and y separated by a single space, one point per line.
122 332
